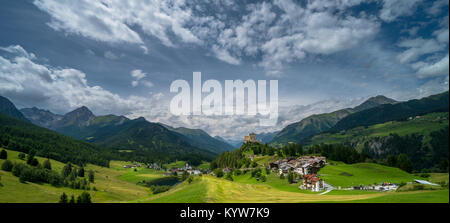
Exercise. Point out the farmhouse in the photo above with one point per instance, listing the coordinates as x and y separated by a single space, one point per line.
303 165
312 182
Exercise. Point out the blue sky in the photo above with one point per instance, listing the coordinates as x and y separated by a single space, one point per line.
121 56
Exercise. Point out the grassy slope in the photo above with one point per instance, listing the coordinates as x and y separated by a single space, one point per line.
117 184
110 187
424 125
212 189
363 173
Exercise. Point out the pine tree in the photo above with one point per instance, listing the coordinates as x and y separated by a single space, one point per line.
67 169
81 172
63 198
47 164
91 176
3 155
72 200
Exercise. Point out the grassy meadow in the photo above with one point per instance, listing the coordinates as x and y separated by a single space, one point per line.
117 184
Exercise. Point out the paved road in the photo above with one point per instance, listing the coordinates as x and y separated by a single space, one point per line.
329 188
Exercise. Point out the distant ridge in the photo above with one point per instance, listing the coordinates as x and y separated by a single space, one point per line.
8 108
318 123
397 111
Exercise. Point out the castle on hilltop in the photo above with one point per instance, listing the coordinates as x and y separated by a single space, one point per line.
251 138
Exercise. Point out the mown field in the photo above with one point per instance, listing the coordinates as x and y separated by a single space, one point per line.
117 184
423 125
212 189
347 175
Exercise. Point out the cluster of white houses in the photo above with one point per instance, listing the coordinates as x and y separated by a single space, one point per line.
306 166
186 168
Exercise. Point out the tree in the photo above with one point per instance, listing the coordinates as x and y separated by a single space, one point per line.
404 163
184 176
22 156
84 198
3 154
291 177
7 165
91 176
72 200
34 162
63 198
30 157
67 169
190 179
47 164
229 176
81 172
263 178
219 173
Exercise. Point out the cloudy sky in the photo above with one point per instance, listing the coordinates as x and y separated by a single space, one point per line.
120 57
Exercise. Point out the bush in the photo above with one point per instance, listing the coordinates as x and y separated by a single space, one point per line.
7 166
47 165
219 173
263 178
159 189
425 175
229 177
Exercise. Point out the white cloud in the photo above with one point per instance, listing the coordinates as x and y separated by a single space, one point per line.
435 69
392 9
138 75
224 55
112 20
248 34
110 55
417 47
18 50
58 89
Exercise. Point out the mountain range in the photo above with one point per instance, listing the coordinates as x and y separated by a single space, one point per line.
318 123
122 133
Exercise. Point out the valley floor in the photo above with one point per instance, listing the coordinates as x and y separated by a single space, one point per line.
117 184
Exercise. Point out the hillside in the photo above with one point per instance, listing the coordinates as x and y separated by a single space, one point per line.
8 108
398 111
110 188
358 136
24 136
115 131
151 139
148 141
201 139
318 123
347 175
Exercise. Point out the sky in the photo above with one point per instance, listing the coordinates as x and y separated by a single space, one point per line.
120 57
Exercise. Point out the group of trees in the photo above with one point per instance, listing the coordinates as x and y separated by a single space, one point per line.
83 198
410 153
34 172
75 177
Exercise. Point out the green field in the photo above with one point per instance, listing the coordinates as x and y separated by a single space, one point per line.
423 124
347 175
117 184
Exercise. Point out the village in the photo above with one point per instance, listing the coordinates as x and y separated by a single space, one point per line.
171 171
